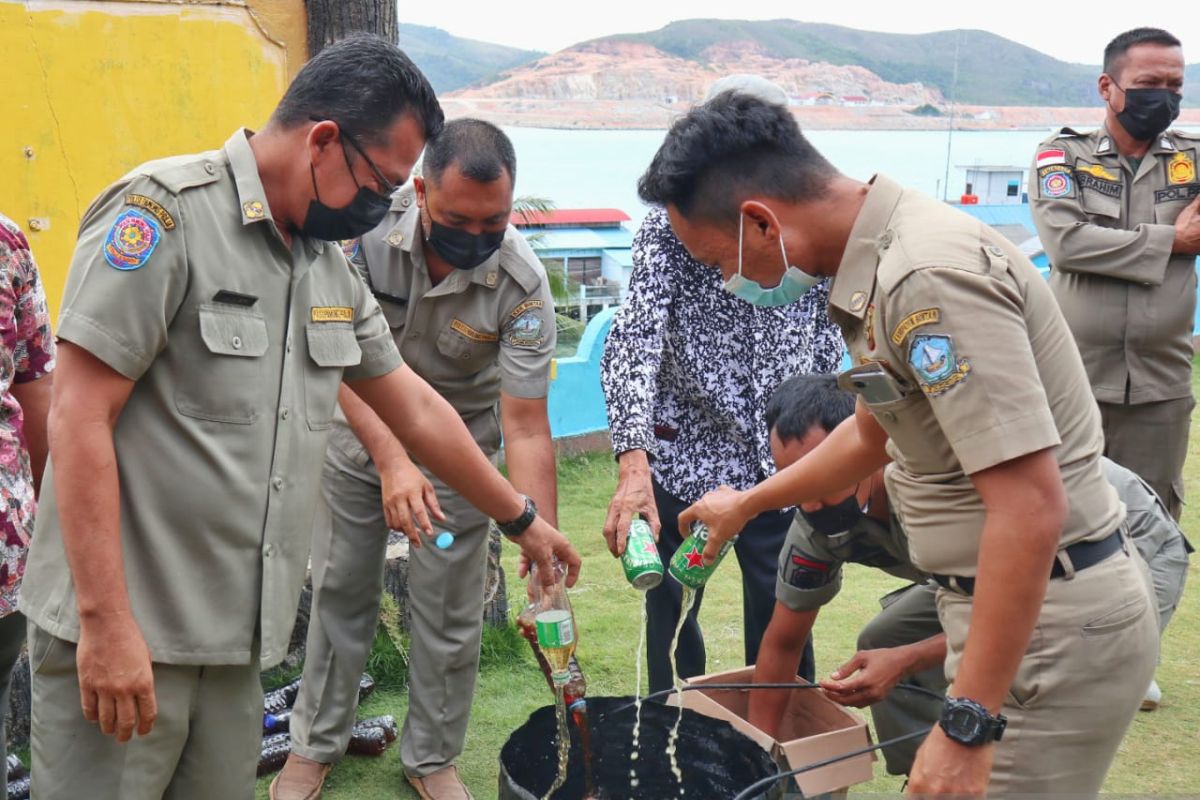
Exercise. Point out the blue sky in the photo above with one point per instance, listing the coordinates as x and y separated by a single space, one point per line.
1077 35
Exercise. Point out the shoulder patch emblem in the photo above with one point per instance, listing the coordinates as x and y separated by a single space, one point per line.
475 336
926 316
351 248
935 362
131 240
154 207
526 330
1047 158
1055 181
803 571
332 314
1181 169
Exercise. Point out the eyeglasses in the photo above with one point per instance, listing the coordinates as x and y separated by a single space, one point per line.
388 187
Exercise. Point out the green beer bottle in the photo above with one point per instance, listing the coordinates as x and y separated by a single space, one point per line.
687 567
643 567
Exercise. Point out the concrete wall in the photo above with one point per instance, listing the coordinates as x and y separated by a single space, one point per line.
94 88
576 401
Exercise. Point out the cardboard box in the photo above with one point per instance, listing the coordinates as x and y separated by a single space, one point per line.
814 728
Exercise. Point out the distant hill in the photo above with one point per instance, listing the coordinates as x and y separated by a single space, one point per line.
992 70
678 61
451 63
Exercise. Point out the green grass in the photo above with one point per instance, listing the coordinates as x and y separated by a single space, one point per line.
1156 758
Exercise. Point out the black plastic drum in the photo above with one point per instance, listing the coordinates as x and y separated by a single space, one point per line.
716 760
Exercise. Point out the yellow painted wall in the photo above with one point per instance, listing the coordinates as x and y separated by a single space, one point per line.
94 88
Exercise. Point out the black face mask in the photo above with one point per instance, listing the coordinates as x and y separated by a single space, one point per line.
364 212
834 519
1148 112
461 249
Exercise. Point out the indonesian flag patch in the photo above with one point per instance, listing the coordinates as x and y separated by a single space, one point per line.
1047 158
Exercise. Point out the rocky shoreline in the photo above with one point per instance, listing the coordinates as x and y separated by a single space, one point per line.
642 115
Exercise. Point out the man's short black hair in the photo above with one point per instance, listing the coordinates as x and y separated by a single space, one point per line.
481 151
803 401
732 147
363 83
1114 53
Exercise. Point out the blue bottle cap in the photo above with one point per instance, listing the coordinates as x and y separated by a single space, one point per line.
444 540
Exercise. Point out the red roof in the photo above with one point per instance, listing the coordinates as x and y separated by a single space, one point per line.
571 216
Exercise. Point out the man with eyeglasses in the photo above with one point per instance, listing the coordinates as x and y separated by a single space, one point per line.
1116 209
206 329
470 308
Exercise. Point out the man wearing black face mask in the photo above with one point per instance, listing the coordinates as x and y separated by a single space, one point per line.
470 309
858 528
1116 210
205 332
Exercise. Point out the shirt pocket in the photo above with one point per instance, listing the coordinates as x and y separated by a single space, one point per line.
468 349
225 383
1105 210
332 346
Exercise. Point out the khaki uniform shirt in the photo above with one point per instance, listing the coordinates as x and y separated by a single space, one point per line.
237 345
984 363
475 334
1108 230
810 563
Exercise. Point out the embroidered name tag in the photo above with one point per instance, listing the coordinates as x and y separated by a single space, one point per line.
913 321
332 314
160 213
1177 193
472 334
1088 180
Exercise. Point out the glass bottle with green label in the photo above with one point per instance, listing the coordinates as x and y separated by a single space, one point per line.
555 623
687 567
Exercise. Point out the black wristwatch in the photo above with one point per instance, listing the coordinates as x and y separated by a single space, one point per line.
969 723
521 523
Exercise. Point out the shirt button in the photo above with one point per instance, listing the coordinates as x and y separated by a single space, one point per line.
277 483
236 342
209 168
268 551
285 413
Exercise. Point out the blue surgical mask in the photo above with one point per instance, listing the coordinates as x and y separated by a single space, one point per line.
792 286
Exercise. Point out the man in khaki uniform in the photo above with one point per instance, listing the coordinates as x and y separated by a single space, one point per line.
1116 210
971 385
470 309
205 331
904 643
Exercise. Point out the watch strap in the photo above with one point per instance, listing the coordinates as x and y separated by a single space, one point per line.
519 525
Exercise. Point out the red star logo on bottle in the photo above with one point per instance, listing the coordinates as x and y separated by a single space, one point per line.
694 558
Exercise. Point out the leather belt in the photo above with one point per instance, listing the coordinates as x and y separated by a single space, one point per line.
1082 555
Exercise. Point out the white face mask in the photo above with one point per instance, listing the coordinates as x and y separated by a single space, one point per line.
792 286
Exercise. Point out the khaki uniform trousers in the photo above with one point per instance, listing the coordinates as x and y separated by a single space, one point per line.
1151 440
446 598
205 743
909 615
1089 661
